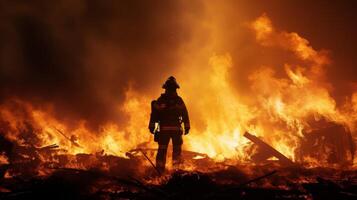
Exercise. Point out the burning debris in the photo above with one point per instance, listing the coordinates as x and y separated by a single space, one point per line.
266 151
49 172
286 183
331 143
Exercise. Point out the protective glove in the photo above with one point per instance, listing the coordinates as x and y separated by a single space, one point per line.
187 130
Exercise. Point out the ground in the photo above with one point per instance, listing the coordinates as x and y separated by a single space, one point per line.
226 182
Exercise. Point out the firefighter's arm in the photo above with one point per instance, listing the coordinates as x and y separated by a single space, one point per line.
185 118
153 117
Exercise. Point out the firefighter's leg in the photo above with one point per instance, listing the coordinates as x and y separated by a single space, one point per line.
176 154
163 141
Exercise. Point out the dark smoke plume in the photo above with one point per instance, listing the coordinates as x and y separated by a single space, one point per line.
81 56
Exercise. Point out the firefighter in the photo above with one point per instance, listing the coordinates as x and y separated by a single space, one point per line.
168 114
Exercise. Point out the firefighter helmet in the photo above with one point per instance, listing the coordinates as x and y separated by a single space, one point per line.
171 83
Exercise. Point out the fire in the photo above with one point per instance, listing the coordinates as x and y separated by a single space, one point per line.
226 117
3 159
264 28
267 36
282 108
47 130
279 113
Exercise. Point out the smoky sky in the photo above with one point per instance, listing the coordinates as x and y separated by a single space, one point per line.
81 56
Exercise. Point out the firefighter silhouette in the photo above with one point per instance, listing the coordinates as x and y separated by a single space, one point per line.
169 113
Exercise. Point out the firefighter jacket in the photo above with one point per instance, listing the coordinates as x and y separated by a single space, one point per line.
169 111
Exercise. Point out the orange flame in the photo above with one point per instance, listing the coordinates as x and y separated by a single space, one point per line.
279 112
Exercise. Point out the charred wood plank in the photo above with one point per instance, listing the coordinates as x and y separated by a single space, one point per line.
269 149
68 138
152 164
49 147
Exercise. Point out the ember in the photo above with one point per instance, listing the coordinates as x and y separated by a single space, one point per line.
272 110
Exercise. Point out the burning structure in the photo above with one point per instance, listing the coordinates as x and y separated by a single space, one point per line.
268 118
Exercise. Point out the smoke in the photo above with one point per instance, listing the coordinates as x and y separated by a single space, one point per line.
81 56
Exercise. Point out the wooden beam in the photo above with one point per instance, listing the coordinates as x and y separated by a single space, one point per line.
269 149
